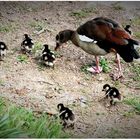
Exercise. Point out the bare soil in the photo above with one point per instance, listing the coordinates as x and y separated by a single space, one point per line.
41 89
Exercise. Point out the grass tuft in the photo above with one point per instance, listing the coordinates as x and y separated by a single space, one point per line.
1 82
6 131
84 68
104 65
6 28
137 34
136 71
18 122
41 67
116 6
83 12
133 73
136 21
22 58
114 133
129 114
37 47
134 102
38 25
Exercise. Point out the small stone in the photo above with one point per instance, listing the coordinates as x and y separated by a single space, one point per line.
101 79
83 104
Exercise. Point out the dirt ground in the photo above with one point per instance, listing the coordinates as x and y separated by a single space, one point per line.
41 89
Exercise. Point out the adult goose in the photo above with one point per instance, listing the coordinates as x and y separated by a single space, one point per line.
99 37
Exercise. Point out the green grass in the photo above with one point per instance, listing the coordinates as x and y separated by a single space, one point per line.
116 6
1 82
37 47
100 113
57 54
133 73
41 67
25 9
7 27
104 65
129 114
18 121
22 58
117 84
87 77
83 12
136 21
137 34
84 68
134 102
135 68
78 14
38 25
6 131
114 133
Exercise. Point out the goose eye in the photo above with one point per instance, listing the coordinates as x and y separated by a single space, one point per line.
61 37
57 37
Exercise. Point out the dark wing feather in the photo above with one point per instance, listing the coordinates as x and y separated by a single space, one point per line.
110 36
102 29
118 36
91 30
114 23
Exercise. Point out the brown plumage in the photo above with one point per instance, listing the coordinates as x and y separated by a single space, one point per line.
100 36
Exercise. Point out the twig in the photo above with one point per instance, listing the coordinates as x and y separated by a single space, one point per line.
48 113
43 82
43 30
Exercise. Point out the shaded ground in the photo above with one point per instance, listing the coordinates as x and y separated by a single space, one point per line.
41 89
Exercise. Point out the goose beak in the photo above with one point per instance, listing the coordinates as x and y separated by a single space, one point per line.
57 46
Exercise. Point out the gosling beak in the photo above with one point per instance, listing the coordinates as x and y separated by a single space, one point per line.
7 48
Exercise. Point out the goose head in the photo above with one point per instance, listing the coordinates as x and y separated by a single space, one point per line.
62 37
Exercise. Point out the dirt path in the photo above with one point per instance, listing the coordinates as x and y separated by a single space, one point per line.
41 89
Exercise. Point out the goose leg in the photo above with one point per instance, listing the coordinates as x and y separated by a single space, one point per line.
120 74
97 68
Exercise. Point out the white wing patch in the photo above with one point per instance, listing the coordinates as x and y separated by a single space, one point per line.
45 58
50 64
136 46
27 47
52 52
44 52
114 93
3 52
66 115
85 38
53 56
